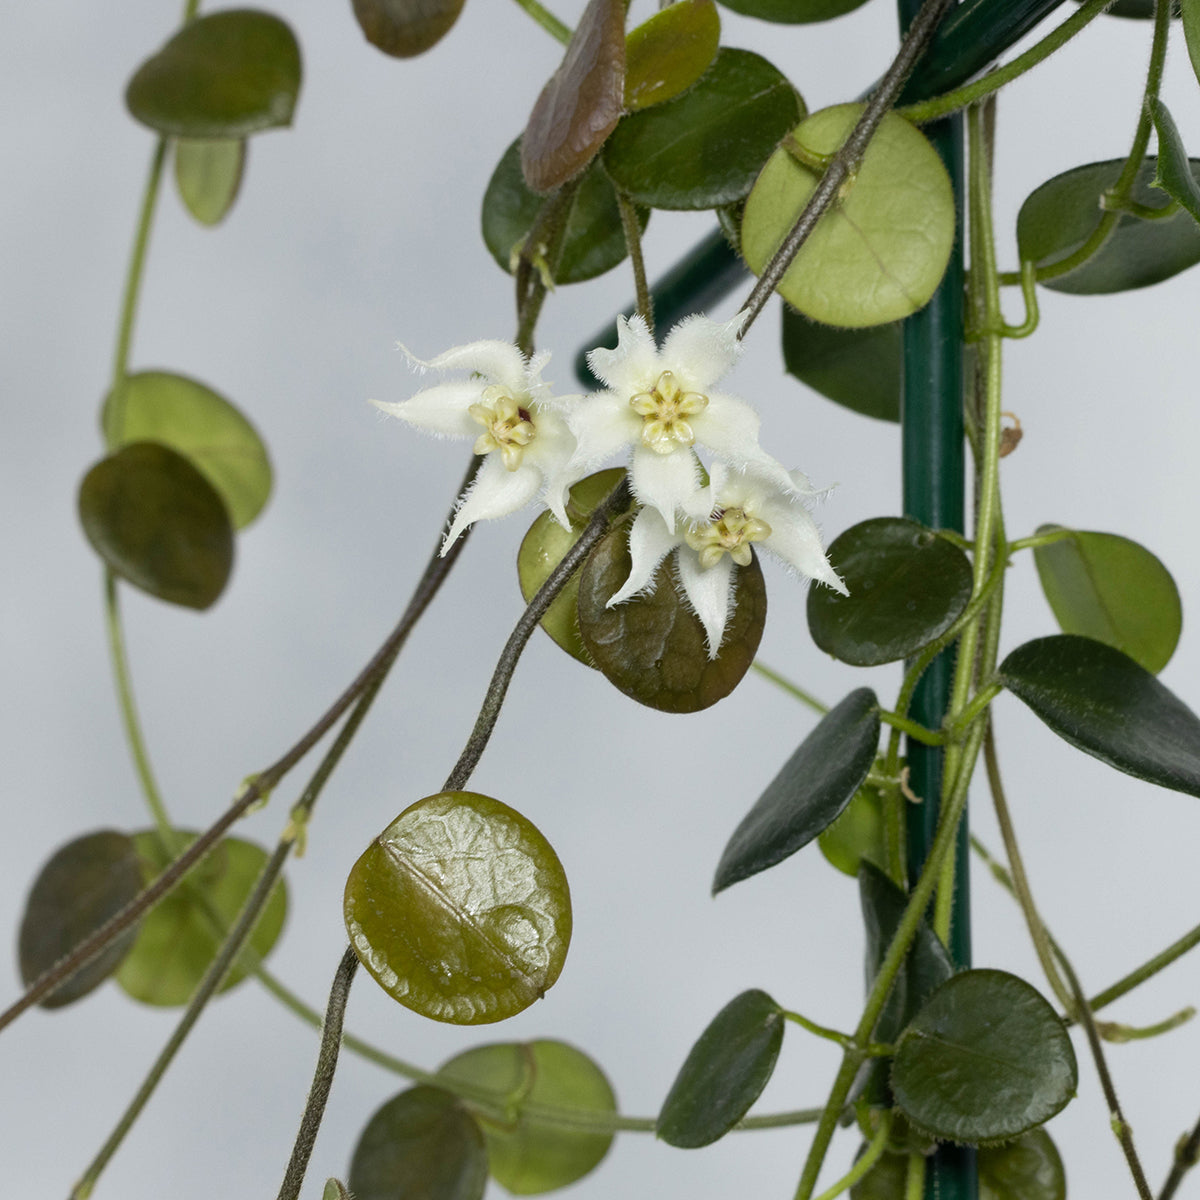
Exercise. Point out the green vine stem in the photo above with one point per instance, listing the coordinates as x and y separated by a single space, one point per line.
869 1157
792 689
1187 1155
949 102
547 20
633 242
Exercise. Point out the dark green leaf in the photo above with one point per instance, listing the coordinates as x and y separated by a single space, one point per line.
928 963
193 420
809 793
1106 704
856 368
907 587
180 936
406 28
423 1145
543 548
158 523
1059 216
594 240
1111 589
1138 10
793 12
208 174
652 647
460 909
857 834
225 75
986 1059
582 102
724 1073
668 53
705 147
881 251
1174 175
84 883
1028 1169
525 1156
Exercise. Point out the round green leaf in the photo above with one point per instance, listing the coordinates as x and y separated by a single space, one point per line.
859 369
180 936
1026 1169
524 1156
793 12
582 102
225 75
208 174
705 147
193 420
907 587
810 791
652 647
857 834
1103 702
84 883
406 28
880 252
668 53
420 1144
594 239
543 549
158 523
724 1073
460 909
1109 588
984 1060
1059 216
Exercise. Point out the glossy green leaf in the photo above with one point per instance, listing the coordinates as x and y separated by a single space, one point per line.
927 965
594 240
582 102
856 368
1109 588
180 936
158 523
421 1144
193 420
652 647
224 75
907 587
857 834
1103 702
84 883
406 28
208 174
1026 1169
985 1059
1174 175
1137 10
543 548
668 53
810 791
881 251
1058 217
793 12
460 909
705 147
525 1156
724 1073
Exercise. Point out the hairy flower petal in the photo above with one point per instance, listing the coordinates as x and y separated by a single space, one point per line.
650 541
703 350
495 492
500 361
709 590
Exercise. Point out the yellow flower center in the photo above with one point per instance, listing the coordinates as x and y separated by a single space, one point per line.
665 410
731 532
507 426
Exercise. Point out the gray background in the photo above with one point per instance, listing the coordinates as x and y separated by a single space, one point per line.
355 230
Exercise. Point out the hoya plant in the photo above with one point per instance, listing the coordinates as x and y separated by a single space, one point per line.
615 646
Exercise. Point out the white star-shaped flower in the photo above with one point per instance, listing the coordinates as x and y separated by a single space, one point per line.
507 409
721 524
663 403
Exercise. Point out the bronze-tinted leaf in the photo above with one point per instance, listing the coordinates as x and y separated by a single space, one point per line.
668 53
406 28
582 102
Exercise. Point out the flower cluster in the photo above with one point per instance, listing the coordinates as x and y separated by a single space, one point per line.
661 406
